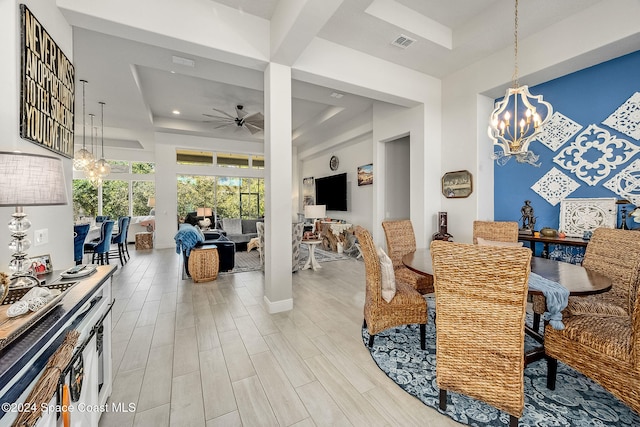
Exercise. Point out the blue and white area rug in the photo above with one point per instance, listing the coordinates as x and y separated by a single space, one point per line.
576 401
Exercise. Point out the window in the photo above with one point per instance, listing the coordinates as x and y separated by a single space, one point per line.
229 160
230 197
85 198
143 192
141 168
257 162
115 198
193 157
115 191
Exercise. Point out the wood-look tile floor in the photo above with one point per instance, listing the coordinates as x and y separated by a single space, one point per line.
209 354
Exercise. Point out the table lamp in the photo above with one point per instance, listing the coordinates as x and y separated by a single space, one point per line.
204 213
151 203
28 180
314 212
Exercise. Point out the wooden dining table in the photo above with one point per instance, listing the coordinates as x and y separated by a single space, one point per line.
579 281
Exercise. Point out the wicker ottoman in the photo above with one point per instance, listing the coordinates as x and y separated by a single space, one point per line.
203 264
144 240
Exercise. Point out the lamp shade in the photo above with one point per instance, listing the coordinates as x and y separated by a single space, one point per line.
315 211
151 202
204 212
31 180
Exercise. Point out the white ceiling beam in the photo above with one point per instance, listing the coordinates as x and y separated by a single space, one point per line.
401 16
310 124
195 27
295 23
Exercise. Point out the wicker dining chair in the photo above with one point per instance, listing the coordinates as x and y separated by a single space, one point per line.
481 295
401 240
616 254
497 231
604 348
406 307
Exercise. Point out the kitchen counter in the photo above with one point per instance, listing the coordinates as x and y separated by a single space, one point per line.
22 361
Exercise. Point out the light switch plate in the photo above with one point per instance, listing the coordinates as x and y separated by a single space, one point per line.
41 237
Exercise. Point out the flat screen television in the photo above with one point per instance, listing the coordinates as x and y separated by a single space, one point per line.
332 192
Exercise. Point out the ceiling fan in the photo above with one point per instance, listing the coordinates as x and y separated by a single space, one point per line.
254 122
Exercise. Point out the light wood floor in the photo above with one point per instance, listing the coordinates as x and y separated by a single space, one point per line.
208 354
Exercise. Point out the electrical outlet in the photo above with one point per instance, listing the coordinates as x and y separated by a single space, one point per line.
41 237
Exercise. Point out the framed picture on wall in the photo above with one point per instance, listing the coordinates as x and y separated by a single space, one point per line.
458 184
365 174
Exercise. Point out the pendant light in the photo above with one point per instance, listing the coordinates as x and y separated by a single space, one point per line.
518 118
103 167
82 158
91 171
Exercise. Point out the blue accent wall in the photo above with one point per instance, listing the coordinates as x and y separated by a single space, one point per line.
587 97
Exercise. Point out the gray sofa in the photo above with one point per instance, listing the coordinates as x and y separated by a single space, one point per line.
239 230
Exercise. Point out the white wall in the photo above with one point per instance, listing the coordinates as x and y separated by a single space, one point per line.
397 200
359 199
58 220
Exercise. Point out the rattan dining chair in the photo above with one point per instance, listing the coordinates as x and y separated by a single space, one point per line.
481 295
497 231
406 307
616 254
401 240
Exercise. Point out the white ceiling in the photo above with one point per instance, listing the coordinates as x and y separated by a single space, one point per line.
142 85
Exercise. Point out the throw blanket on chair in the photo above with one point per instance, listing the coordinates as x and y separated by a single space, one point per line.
186 238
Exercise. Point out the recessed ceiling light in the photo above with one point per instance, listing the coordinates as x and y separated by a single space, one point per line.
176 112
337 95
172 72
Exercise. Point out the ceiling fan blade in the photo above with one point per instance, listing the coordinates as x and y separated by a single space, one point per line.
251 128
223 125
228 119
255 119
240 112
224 112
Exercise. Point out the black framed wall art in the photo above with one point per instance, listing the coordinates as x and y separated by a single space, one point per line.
47 92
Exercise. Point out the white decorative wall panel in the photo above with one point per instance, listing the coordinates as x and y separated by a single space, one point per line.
558 130
626 118
555 186
594 154
580 215
627 183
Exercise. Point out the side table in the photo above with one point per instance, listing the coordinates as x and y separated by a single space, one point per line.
311 261
204 264
144 240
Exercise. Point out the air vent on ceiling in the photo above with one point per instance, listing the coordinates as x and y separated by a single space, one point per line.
403 41
184 61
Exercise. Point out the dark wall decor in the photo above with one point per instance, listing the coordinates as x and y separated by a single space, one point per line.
47 95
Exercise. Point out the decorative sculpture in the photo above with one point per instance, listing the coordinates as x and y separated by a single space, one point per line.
442 233
528 219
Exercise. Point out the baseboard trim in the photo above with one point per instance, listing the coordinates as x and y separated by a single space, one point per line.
278 306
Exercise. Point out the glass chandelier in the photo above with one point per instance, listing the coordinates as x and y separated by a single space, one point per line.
83 158
518 118
102 166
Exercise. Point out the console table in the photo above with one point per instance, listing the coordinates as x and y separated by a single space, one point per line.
546 241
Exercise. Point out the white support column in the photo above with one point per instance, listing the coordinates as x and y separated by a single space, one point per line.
277 150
